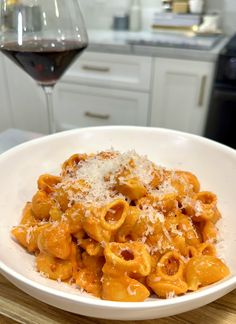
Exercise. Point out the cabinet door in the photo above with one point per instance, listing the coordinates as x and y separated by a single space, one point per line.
27 100
127 72
181 93
81 106
5 108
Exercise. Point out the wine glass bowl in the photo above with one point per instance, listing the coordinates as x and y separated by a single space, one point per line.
43 38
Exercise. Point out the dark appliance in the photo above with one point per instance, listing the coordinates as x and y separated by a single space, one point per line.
221 120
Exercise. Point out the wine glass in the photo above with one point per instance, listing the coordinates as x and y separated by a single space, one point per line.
43 37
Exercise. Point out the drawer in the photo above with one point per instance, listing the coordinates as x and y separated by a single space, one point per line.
111 70
82 106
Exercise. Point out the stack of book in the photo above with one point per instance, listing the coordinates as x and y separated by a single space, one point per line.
172 20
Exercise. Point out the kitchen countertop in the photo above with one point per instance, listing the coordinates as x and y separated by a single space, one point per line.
18 307
178 45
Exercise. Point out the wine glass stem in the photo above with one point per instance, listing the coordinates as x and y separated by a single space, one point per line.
50 110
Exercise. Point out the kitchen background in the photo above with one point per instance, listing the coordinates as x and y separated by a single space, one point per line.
99 13
183 79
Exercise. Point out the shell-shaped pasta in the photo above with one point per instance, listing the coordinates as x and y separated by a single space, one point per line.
73 216
157 177
158 238
189 181
209 232
167 203
123 288
67 194
55 240
28 217
90 275
114 214
188 229
190 251
148 200
47 182
131 188
166 288
154 260
54 268
216 217
55 214
168 275
179 243
90 281
131 257
123 233
93 262
27 236
170 266
62 198
106 155
164 203
204 270
205 206
207 249
139 229
92 247
70 165
41 205
91 224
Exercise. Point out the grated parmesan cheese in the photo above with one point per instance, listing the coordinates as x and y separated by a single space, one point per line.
170 295
95 178
198 208
29 234
131 290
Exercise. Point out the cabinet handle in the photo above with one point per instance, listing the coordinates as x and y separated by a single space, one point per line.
103 69
202 91
94 115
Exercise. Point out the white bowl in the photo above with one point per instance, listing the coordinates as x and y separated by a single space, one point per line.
214 164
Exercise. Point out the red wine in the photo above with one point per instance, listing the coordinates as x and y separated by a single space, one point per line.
46 61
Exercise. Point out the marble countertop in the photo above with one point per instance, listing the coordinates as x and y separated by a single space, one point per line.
183 45
12 137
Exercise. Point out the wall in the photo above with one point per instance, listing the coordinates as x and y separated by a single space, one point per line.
230 16
228 12
98 13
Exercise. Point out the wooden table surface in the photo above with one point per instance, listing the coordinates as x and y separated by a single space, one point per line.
18 307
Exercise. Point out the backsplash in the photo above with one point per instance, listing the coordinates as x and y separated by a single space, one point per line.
227 8
98 13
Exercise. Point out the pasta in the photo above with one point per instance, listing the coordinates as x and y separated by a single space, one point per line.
122 228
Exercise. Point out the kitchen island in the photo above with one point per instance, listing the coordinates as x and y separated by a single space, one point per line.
177 45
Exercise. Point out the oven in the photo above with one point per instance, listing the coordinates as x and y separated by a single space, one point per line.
221 120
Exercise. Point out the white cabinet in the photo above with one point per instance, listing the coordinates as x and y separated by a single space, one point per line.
104 89
5 107
126 72
181 93
79 106
27 100
111 89
98 89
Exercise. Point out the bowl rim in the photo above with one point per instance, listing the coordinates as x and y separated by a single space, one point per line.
45 138
228 283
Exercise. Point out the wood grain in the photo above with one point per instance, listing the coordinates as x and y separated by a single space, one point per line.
18 307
